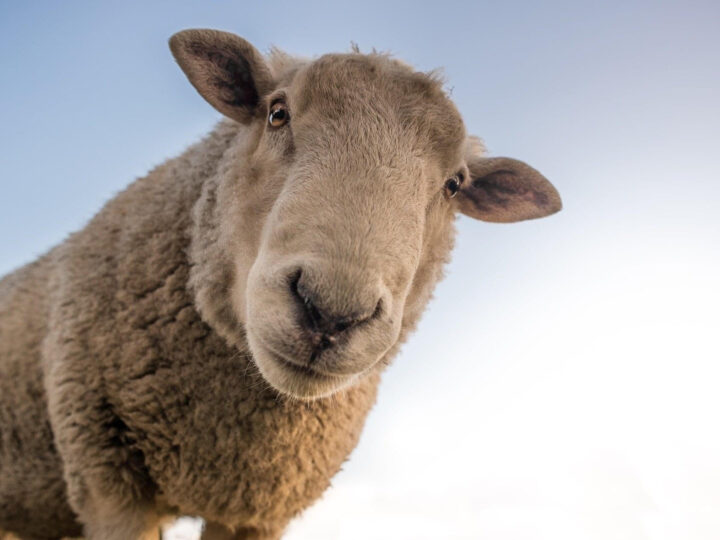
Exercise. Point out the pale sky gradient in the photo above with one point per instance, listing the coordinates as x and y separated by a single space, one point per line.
565 382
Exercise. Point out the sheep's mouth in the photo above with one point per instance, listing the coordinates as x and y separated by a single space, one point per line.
300 381
306 370
304 361
296 366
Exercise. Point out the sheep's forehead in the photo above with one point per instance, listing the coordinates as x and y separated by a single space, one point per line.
369 92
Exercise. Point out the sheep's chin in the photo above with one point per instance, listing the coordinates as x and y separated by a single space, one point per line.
295 382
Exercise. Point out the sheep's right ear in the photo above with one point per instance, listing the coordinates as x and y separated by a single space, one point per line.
225 69
504 190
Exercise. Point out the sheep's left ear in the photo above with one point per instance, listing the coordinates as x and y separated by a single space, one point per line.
504 190
225 69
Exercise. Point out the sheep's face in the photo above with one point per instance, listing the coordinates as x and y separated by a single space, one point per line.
338 210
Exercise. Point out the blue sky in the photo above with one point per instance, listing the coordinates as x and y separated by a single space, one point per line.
563 382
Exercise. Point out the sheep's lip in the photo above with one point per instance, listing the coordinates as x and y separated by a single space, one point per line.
306 371
300 369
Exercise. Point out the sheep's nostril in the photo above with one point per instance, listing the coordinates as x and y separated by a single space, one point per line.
341 326
323 323
312 314
378 310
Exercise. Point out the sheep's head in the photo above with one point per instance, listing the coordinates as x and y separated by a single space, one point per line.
337 210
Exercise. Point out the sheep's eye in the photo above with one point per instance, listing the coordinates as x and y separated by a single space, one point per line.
452 185
279 115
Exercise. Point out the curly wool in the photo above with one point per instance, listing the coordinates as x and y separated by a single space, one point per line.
135 378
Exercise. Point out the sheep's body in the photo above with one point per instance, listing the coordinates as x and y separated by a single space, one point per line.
33 496
141 389
211 342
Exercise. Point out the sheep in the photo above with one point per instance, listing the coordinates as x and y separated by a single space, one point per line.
211 342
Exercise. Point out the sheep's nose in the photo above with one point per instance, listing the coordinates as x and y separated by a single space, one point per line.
321 319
